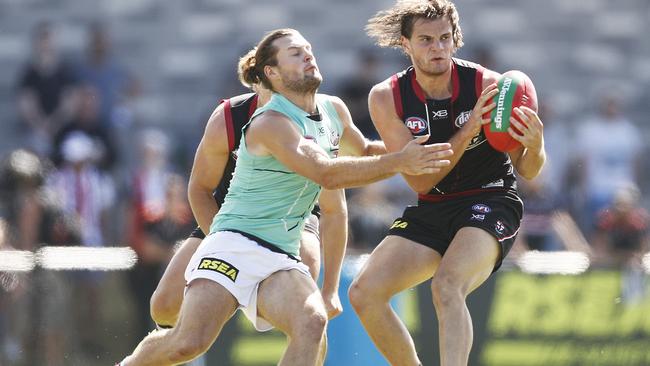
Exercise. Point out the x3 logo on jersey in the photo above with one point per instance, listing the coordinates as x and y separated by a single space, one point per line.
439 114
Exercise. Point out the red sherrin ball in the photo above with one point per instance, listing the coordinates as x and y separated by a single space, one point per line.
515 90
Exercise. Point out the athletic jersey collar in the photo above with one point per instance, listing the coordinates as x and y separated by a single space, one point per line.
281 99
454 83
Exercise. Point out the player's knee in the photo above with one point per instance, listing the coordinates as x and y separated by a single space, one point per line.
446 290
357 296
311 327
164 310
189 346
363 293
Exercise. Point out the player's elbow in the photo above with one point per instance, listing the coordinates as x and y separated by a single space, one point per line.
327 180
528 175
326 175
193 194
195 189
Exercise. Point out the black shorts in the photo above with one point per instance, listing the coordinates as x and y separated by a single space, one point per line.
310 226
434 224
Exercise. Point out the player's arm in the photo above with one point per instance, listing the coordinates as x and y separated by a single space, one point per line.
334 237
352 141
396 135
529 159
209 163
272 133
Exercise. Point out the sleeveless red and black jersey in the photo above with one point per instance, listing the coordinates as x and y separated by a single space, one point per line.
237 110
481 168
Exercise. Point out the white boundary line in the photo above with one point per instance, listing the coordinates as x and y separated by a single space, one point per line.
123 258
69 258
16 261
567 263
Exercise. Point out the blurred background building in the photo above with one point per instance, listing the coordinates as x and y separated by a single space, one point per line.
101 101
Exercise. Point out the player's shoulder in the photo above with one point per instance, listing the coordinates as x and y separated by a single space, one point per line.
322 97
269 117
242 100
466 65
339 105
382 92
234 103
271 124
462 63
489 76
335 100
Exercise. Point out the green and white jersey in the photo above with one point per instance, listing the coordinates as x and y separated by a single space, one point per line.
267 200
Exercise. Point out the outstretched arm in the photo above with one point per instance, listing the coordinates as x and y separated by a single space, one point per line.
209 163
273 133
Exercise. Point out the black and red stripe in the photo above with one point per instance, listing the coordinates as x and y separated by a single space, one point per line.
237 112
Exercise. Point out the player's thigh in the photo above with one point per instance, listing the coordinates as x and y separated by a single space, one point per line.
172 283
286 297
310 252
469 261
395 265
207 306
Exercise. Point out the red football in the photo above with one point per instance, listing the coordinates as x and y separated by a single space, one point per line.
515 90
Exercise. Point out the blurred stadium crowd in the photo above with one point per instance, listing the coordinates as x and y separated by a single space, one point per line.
102 106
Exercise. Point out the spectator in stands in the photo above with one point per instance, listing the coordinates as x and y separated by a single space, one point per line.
622 228
38 299
159 238
622 238
608 148
84 194
148 195
546 224
88 120
558 140
111 79
46 90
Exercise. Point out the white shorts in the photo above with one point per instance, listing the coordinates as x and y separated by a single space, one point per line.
239 264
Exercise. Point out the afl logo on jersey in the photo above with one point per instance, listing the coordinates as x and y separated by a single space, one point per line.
479 207
416 124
